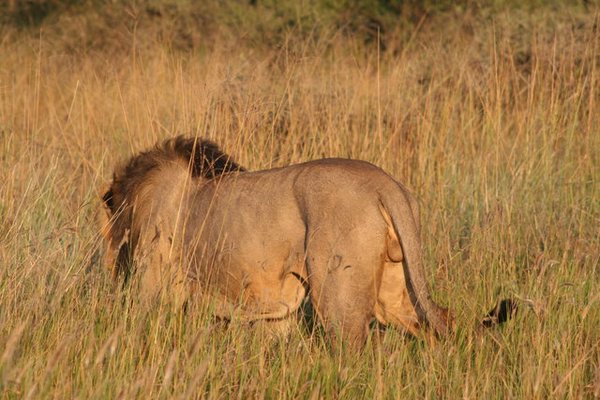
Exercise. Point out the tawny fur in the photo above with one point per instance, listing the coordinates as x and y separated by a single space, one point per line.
256 241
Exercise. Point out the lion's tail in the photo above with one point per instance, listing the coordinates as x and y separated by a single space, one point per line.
407 232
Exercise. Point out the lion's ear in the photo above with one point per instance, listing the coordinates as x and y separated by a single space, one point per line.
107 197
104 214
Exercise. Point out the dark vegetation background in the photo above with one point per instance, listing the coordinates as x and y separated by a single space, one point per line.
187 24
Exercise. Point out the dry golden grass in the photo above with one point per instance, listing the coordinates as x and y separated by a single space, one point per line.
493 122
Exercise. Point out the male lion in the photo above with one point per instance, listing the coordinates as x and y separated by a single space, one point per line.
341 231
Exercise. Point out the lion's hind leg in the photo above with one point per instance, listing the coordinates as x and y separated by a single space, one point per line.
394 306
343 278
262 300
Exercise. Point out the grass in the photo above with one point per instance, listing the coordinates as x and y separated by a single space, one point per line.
491 119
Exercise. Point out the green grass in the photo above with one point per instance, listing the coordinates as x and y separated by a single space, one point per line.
491 118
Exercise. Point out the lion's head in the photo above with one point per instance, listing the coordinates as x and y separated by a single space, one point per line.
124 195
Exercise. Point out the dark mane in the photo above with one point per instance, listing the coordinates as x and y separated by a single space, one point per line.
203 157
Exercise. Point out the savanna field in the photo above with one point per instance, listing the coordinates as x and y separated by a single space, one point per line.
489 113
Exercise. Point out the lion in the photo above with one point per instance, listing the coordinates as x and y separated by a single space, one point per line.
341 233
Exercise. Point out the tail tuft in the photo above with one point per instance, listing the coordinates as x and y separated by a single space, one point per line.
502 312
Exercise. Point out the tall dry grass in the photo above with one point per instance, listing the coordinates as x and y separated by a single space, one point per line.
493 122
